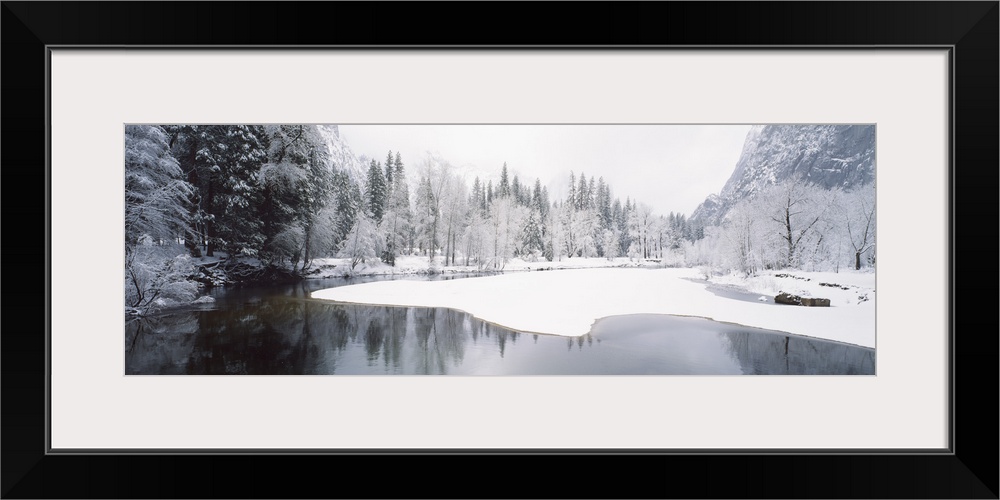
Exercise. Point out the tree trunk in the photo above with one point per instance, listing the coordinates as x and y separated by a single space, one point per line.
209 224
192 246
433 238
857 261
788 237
306 257
392 244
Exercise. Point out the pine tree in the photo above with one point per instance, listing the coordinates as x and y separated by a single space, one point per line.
503 190
591 195
545 203
398 214
571 197
399 179
582 195
347 200
476 198
404 195
230 157
604 204
531 237
624 238
616 214
389 171
536 196
280 179
515 189
375 192
184 145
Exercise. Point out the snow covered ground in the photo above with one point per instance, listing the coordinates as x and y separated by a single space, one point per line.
567 302
843 289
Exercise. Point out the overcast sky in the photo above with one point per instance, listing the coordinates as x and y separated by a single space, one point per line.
670 167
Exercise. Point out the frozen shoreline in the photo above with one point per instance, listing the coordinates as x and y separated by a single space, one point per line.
567 302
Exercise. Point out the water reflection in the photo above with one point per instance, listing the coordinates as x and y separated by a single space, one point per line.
260 332
774 354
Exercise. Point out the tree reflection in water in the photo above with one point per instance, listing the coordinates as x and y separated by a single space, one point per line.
290 334
769 354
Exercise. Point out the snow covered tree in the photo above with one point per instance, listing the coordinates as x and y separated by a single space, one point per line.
506 220
582 193
531 240
567 220
157 221
609 242
454 209
375 192
517 191
858 212
314 197
555 237
571 195
503 190
586 230
398 216
622 214
436 180
640 224
477 199
604 210
540 204
474 238
362 241
157 276
347 200
389 171
424 216
296 186
591 195
157 196
228 160
280 181
741 233
792 206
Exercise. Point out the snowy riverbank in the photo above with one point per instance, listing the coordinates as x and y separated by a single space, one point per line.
410 264
567 302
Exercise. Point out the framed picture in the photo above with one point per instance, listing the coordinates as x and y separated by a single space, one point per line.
927 88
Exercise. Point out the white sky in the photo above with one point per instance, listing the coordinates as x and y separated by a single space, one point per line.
670 167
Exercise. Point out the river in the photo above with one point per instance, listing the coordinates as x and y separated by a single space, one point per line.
279 330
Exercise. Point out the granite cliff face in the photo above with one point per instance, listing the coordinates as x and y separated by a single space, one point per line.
341 156
829 156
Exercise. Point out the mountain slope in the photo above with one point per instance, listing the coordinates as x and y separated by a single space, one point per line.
341 156
825 155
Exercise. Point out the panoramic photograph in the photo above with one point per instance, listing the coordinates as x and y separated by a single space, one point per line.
499 250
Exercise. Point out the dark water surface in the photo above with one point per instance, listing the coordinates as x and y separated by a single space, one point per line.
279 330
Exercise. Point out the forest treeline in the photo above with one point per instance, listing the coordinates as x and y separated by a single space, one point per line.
270 195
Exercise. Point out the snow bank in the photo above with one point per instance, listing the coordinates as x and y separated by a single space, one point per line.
567 302
843 289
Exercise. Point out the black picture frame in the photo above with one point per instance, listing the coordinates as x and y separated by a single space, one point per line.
968 470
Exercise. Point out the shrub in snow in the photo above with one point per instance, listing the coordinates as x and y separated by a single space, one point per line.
158 276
